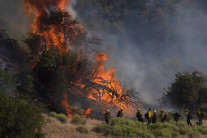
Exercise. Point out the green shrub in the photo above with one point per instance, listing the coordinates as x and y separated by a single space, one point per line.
103 128
82 129
202 129
19 118
77 119
61 117
121 127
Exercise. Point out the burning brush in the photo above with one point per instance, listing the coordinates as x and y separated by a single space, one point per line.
54 26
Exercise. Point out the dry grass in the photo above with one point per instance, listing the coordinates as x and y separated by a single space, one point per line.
55 129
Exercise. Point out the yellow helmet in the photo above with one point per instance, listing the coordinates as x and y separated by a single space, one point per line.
138 109
155 111
122 108
108 110
162 110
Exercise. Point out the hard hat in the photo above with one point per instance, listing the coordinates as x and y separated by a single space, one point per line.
138 109
155 111
108 110
186 110
162 110
122 108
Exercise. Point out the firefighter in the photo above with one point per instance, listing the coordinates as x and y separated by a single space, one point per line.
200 116
163 116
107 116
120 113
154 117
139 115
176 116
188 117
148 116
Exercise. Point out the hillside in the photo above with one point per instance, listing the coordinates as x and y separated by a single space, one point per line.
53 128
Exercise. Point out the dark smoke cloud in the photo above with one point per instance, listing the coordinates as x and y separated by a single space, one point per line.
148 52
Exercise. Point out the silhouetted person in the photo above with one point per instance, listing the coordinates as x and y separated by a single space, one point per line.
200 116
176 116
154 116
148 116
188 117
163 116
107 116
120 113
139 115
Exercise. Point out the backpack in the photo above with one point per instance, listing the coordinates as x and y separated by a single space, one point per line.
190 116
202 115
165 117
146 116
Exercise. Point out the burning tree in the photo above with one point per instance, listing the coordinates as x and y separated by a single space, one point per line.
54 37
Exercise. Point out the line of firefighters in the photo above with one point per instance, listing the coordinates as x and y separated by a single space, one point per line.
152 116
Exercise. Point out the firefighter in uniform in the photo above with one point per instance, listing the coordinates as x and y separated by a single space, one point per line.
188 117
139 115
163 116
107 116
120 113
148 116
200 116
154 116
176 116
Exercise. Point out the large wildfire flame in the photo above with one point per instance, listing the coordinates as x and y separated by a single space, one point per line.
58 34
110 94
62 33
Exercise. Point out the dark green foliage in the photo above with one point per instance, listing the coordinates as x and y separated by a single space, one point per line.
54 71
19 118
77 119
82 129
188 89
7 82
27 86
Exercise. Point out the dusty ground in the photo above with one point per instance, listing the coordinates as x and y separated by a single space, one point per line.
56 129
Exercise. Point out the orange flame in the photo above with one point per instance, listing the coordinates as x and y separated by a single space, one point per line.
88 112
58 32
115 95
111 94
61 34
66 106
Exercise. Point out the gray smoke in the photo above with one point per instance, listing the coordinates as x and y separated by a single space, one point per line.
13 20
148 41
147 52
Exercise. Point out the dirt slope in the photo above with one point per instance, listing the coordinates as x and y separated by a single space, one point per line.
53 128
